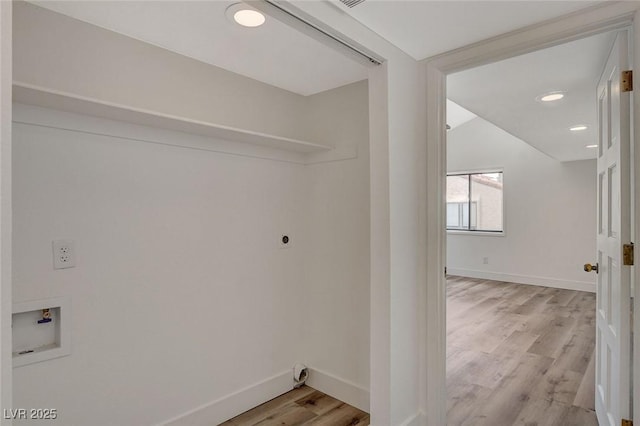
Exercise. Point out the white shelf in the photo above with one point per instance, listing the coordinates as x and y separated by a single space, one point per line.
43 97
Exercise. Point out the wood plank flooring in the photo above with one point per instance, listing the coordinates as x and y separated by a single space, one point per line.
519 354
302 406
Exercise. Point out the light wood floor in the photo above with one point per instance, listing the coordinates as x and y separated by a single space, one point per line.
519 354
302 406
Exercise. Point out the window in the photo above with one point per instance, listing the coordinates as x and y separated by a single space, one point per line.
474 202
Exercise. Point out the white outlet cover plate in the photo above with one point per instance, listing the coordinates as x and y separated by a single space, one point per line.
64 254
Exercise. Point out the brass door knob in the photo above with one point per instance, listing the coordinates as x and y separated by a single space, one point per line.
591 268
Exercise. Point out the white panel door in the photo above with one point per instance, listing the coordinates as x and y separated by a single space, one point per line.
613 338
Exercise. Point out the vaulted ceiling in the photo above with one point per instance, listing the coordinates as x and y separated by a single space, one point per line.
505 93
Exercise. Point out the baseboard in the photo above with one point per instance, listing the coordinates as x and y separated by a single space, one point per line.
525 279
338 388
415 420
229 406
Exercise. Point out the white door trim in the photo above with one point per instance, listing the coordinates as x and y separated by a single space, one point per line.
577 25
635 273
5 207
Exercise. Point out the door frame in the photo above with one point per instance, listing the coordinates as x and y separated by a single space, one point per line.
581 24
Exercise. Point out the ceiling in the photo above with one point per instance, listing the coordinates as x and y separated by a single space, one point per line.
456 115
274 53
281 56
505 92
418 26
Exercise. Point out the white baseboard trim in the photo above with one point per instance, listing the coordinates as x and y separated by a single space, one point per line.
525 279
415 420
229 406
338 388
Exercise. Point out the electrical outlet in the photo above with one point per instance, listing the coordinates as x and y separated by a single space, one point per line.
485 260
64 254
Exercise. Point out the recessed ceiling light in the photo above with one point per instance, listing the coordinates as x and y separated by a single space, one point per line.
244 15
578 128
550 97
249 18
591 146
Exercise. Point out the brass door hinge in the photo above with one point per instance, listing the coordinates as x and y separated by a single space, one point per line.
627 254
626 422
626 81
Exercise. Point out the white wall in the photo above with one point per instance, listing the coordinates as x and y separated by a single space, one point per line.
550 212
406 131
5 207
337 256
397 132
201 275
180 277
181 294
59 53
397 155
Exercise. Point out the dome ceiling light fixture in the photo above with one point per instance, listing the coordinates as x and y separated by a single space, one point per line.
551 96
244 15
578 127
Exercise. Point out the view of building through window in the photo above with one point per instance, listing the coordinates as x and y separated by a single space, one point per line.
474 202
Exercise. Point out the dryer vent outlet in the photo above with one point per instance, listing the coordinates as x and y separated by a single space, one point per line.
300 375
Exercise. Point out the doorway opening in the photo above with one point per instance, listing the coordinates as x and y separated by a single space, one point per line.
521 200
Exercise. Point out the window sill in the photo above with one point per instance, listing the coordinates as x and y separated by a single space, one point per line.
478 233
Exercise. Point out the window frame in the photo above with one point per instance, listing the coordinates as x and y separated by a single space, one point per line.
483 232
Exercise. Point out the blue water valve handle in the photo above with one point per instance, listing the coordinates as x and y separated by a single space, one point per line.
46 316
